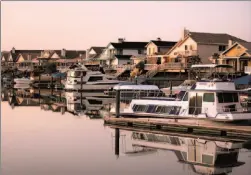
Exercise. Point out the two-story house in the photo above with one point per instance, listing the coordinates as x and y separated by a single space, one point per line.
157 48
199 44
237 55
113 51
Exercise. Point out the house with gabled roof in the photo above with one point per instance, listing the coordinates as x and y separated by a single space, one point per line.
123 47
92 57
200 44
237 55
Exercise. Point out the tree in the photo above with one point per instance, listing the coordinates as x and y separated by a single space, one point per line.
194 60
216 56
50 68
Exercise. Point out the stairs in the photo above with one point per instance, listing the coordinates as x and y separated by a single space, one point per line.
149 74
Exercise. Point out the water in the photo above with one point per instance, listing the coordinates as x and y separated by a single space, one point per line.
39 142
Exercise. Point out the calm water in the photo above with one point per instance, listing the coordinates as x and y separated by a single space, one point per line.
39 142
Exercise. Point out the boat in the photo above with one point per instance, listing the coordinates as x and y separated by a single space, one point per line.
215 100
89 81
22 80
186 85
130 91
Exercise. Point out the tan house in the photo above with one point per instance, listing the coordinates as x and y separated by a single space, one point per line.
93 55
202 44
238 55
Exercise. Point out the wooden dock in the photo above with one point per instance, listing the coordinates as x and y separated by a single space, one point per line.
191 126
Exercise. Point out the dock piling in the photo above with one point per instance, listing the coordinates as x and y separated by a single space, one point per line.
117 133
117 103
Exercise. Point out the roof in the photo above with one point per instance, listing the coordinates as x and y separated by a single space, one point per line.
5 55
213 38
24 53
123 57
98 50
70 54
247 45
129 45
164 43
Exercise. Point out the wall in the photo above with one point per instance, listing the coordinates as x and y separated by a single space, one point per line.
189 42
20 59
206 51
151 49
55 55
116 62
235 51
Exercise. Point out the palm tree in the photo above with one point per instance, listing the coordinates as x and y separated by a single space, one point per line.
216 56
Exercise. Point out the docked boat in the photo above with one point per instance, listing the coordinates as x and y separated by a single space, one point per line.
89 81
130 91
22 80
214 100
186 85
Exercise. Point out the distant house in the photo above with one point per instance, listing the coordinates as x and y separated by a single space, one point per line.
202 44
122 48
5 58
156 48
93 55
238 55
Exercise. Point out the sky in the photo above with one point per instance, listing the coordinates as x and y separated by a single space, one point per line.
80 25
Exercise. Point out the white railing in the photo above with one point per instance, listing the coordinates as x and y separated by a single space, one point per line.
186 53
248 69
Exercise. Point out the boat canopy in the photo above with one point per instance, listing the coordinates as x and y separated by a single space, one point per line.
135 87
245 80
211 66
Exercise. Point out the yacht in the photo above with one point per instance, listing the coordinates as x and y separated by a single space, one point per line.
89 81
22 81
214 100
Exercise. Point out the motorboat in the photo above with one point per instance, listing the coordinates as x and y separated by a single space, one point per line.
214 100
22 80
89 81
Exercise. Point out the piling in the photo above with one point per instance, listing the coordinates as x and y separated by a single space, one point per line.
117 133
171 87
117 103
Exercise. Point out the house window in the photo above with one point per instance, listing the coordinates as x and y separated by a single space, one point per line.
158 49
222 48
139 51
185 47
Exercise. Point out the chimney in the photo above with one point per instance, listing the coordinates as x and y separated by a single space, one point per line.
185 32
230 43
63 52
121 40
158 39
13 50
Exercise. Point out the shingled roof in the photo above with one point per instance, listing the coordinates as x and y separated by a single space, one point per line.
24 53
129 45
5 54
98 50
164 43
247 45
71 54
213 38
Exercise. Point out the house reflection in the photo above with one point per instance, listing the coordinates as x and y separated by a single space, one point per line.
209 155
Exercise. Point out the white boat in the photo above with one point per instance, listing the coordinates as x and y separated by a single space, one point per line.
22 80
186 85
89 81
214 100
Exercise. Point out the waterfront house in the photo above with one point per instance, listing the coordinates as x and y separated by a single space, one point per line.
199 44
123 47
24 60
92 60
237 55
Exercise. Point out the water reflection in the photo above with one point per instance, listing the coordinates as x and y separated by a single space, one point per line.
204 155
75 103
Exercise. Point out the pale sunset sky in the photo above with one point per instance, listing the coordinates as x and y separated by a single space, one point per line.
79 25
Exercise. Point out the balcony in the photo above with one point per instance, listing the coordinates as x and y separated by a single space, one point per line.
186 53
248 69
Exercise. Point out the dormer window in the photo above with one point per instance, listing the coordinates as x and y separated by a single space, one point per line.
186 47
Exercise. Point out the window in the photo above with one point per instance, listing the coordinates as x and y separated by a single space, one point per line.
95 79
227 97
208 97
185 97
151 109
185 47
222 48
207 159
139 51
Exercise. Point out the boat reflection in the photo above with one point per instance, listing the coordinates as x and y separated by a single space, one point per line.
58 101
205 155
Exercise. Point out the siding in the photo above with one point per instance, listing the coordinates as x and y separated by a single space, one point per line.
235 51
151 49
206 51
130 52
